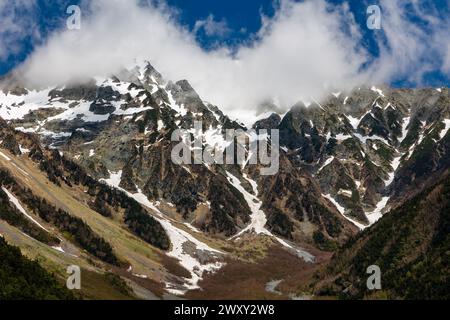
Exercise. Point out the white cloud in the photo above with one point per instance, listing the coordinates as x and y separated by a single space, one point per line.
299 51
13 28
410 49
446 65
212 27
302 51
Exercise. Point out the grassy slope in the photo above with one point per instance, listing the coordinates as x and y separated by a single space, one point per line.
23 279
144 258
127 246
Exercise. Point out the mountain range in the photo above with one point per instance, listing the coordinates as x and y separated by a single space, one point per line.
87 179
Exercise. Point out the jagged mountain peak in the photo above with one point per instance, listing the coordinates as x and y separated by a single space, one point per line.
363 140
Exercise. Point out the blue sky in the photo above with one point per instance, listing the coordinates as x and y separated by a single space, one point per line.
242 17
245 16
411 49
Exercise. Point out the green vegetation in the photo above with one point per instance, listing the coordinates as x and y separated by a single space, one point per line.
107 199
331 223
385 153
227 206
393 122
107 286
413 134
280 223
10 214
323 243
145 226
411 245
136 217
81 232
353 147
76 227
420 161
22 279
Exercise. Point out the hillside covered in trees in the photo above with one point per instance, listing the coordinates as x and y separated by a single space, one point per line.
411 245
23 279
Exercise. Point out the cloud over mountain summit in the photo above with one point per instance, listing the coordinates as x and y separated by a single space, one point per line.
305 50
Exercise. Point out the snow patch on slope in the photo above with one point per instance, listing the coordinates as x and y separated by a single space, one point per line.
179 238
60 249
16 107
341 210
19 207
405 125
395 164
372 216
379 91
354 121
5 156
258 217
342 137
444 131
23 150
376 214
327 162
364 139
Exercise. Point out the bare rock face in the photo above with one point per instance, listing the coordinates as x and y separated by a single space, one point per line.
269 123
86 92
340 160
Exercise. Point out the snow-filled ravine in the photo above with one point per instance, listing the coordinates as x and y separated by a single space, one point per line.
341 210
391 175
258 217
372 216
19 207
178 238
